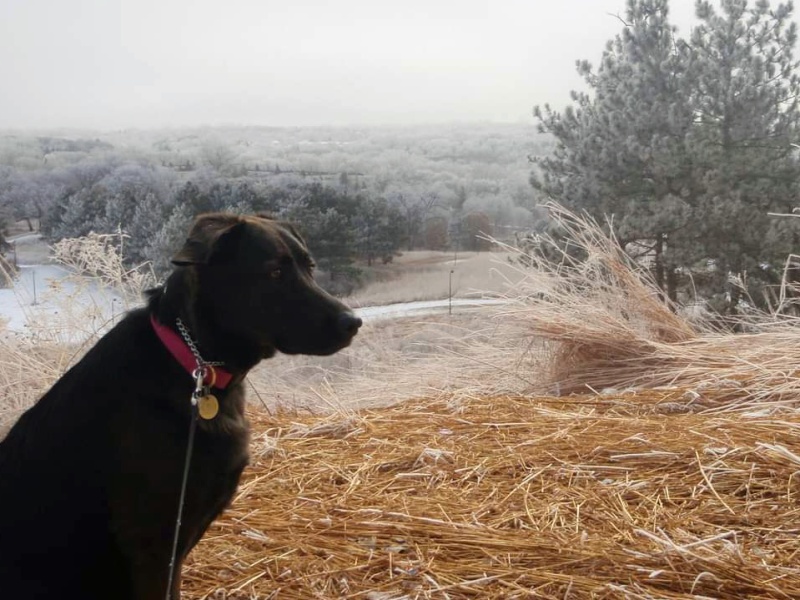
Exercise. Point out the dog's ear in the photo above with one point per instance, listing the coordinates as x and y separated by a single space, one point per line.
208 235
291 229
285 224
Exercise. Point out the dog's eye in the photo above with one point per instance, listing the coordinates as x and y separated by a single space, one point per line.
276 274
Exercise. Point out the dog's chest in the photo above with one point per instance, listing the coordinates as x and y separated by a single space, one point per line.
222 448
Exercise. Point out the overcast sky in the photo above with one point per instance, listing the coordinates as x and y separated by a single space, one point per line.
111 64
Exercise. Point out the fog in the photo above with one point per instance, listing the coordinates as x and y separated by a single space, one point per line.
109 64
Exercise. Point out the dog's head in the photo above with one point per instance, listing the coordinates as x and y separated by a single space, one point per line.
254 284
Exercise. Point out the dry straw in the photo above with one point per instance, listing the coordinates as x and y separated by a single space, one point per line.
676 476
511 497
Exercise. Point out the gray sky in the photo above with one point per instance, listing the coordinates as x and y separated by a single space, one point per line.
113 64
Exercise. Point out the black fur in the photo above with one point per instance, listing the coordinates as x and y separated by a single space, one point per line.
90 475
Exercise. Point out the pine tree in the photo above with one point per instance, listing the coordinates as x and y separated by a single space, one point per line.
147 220
378 230
167 241
685 146
620 152
745 100
326 218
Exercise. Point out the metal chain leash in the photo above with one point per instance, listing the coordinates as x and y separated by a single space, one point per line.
193 347
201 393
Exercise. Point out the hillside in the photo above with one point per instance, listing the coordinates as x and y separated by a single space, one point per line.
666 467
580 440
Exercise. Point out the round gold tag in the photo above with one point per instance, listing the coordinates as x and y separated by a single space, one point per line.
208 407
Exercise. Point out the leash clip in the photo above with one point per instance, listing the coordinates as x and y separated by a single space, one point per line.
199 375
202 398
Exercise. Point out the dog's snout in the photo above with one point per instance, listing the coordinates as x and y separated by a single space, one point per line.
349 323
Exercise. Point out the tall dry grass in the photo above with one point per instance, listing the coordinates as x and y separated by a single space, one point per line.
66 319
601 323
391 361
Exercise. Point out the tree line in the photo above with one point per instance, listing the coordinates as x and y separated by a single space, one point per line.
345 226
360 194
688 146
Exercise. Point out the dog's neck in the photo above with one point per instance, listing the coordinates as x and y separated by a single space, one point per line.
183 348
176 301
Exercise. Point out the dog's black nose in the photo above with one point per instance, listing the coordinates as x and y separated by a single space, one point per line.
349 323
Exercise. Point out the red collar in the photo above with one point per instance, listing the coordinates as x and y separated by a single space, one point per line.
216 377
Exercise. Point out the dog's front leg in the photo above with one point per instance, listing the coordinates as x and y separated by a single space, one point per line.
147 558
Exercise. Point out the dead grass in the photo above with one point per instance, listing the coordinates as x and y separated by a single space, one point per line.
391 361
674 477
27 370
55 339
510 497
100 256
603 325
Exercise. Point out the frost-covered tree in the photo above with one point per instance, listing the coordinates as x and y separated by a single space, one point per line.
127 187
147 220
686 144
78 201
621 149
168 239
379 230
745 91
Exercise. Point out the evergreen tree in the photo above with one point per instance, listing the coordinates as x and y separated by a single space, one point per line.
620 152
745 100
81 213
147 221
193 198
686 145
325 218
378 230
169 238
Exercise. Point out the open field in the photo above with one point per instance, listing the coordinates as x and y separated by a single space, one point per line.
424 275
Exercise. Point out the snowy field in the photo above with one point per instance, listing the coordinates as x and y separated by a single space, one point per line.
50 294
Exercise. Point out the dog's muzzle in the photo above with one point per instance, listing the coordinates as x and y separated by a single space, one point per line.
348 324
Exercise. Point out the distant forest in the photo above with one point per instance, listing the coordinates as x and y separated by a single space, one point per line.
358 194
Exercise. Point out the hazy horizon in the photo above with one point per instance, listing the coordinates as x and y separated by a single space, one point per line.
148 64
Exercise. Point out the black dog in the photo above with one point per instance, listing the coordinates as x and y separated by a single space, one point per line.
90 476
